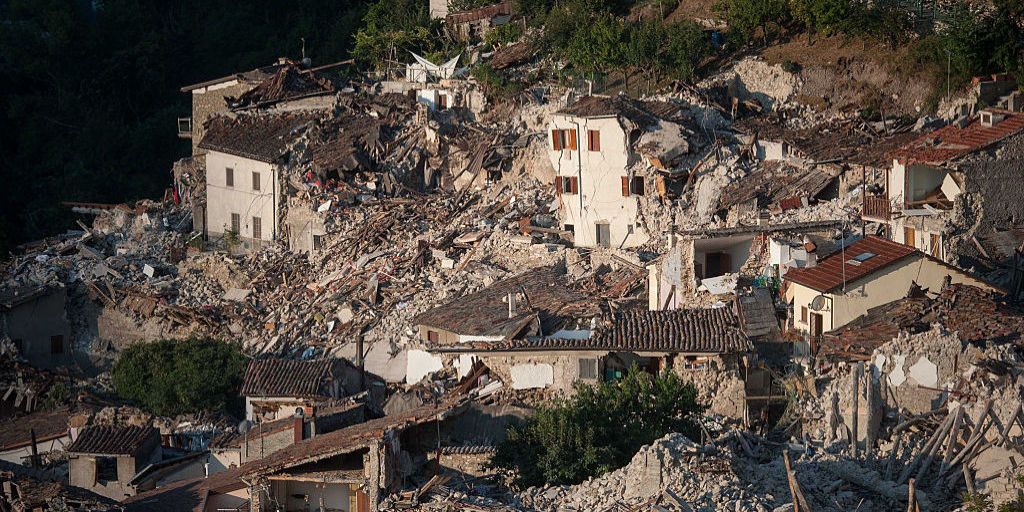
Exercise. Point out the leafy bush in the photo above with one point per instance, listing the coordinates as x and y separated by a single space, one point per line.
598 429
391 28
746 17
504 34
171 377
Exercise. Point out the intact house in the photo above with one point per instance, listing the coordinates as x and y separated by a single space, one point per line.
245 159
37 434
608 154
275 389
952 185
352 469
121 461
35 320
232 449
865 274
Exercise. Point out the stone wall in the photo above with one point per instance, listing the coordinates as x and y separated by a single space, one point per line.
719 385
207 104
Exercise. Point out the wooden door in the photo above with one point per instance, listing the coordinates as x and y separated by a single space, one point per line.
909 236
816 327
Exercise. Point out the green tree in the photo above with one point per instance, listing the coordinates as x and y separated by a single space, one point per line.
597 429
687 46
598 46
746 17
171 377
393 27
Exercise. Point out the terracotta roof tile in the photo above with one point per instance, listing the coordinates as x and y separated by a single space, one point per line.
711 331
285 378
833 270
952 141
112 440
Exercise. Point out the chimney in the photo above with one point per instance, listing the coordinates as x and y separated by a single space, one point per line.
511 304
297 429
812 252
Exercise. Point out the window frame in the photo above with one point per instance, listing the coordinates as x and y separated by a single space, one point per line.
236 223
229 177
593 140
256 181
257 228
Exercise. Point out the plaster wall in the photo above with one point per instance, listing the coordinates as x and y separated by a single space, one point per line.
600 199
222 200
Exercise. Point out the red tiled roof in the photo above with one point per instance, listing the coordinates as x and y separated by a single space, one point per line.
112 440
262 137
285 378
832 271
952 141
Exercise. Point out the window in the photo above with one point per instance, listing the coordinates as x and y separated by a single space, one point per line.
603 235
570 228
803 314
632 186
57 345
257 228
106 469
557 139
256 181
563 139
864 256
229 177
236 223
318 242
593 140
909 236
432 336
567 185
442 101
588 368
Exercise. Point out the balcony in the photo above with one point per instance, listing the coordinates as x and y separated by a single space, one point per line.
877 208
185 127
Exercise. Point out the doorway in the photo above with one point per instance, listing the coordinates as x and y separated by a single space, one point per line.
816 324
718 263
604 235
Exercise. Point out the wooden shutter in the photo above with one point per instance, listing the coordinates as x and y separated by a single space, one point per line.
594 140
558 185
572 139
625 186
574 185
556 140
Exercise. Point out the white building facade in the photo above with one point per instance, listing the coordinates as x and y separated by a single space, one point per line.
242 196
597 194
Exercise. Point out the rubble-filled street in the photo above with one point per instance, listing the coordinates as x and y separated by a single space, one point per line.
553 257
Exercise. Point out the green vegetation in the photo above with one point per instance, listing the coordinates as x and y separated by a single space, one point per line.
504 34
748 18
171 377
598 429
391 28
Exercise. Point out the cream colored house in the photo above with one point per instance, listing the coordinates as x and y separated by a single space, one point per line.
244 159
869 272
602 150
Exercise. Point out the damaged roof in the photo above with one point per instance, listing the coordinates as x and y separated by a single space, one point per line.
112 439
287 83
957 140
832 271
641 113
285 378
549 297
975 314
263 137
48 425
187 495
480 13
13 296
848 141
700 331
350 439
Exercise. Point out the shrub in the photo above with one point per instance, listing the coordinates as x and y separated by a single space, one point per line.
598 429
504 34
746 17
170 377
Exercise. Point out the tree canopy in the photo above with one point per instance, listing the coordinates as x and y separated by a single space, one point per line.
171 377
598 429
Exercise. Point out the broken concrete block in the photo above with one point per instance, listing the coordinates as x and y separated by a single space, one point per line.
447 263
148 270
236 294
345 315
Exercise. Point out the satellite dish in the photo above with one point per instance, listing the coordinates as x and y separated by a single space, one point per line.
244 426
818 303
299 412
